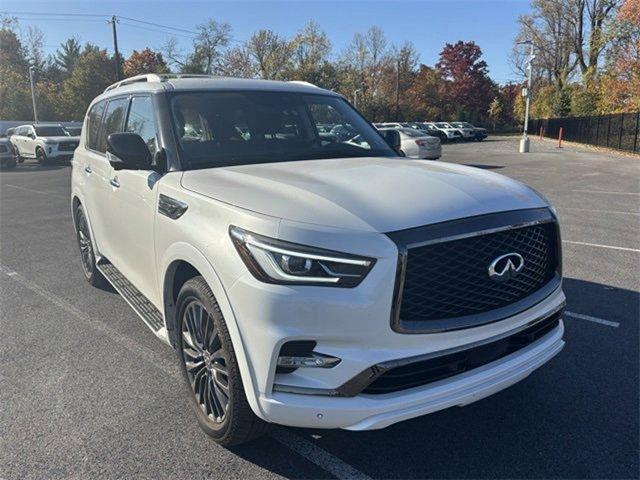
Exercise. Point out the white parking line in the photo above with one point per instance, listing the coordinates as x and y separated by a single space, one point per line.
317 455
611 247
135 347
34 191
605 192
589 318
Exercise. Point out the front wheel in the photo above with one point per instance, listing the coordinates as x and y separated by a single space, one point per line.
41 157
87 255
210 368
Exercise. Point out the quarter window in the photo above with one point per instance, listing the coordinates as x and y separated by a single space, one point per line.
113 121
141 121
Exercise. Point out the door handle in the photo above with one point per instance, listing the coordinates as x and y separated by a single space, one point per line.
114 182
87 169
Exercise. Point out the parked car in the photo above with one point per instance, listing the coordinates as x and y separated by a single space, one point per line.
431 130
45 143
73 131
468 131
478 133
453 134
396 125
417 144
7 158
306 282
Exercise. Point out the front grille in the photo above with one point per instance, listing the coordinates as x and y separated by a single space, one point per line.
422 372
67 146
451 279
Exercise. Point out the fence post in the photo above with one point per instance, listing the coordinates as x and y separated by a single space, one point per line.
560 138
635 138
621 130
541 130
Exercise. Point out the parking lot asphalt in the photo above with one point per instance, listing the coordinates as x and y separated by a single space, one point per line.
87 391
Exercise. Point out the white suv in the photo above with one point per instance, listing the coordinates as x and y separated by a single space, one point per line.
45 143
305 280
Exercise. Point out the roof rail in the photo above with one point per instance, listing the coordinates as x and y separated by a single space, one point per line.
302 82
154 77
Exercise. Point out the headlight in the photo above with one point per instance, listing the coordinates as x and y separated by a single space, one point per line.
276 261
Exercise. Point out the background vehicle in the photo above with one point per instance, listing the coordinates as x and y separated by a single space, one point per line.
44 143
431 130
290 271
452 134
417 144
7 157
468 130
480 133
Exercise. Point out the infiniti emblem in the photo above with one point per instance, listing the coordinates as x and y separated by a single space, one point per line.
506 267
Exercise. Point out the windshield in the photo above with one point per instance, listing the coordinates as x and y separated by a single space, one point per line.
51 131
443 125
244 127
410 132
73 131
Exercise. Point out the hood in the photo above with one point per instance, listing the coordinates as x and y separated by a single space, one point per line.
374 194
60 139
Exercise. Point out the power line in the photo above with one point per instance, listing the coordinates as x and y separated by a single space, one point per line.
159 25
56 14
157 31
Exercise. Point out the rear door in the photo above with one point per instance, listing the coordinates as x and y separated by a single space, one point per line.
30 142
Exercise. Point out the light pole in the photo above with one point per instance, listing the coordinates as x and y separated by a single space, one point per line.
33 94
524 141
355 97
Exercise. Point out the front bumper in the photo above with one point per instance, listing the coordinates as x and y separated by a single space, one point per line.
370 412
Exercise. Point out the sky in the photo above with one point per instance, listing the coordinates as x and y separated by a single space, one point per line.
429 24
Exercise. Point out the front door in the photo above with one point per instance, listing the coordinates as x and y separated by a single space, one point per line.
133 201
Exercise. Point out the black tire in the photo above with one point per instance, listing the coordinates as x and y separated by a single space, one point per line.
214 373
41 157
87 256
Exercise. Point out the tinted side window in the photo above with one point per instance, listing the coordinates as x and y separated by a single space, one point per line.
141 121
93 124
112 122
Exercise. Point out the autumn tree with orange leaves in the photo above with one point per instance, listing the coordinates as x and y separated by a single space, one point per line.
144 61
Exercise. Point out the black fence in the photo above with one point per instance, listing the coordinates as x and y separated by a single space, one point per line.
619 131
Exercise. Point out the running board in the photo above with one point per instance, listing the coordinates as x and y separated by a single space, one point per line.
141 304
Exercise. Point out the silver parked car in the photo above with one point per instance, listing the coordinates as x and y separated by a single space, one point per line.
417 144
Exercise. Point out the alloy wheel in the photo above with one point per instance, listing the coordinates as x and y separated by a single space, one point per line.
84 240
205 361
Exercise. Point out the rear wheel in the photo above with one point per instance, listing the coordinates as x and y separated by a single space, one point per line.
210 368
87 256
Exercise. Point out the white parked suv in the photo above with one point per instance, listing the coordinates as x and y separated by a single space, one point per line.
305 280
45 143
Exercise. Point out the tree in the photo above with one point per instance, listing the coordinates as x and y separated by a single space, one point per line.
271 54
620 83
67 55
212 37
15 100
310 51
236 62
424 97
144 61
92 73
495 111
470 89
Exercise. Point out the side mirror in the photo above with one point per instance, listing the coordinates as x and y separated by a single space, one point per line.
127 151
392 137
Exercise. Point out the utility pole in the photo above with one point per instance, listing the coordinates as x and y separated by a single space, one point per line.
33 94
113 22
355 97
524 141
398 91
